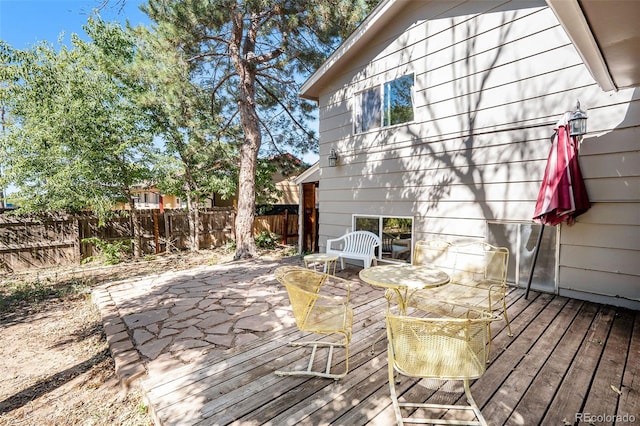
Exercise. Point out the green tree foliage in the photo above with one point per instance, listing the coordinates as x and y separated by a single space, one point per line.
75 137
251 56
196 163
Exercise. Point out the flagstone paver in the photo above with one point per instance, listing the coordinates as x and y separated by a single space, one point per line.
177 316
162 321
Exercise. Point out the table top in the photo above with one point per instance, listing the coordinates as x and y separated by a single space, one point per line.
321 257
404 276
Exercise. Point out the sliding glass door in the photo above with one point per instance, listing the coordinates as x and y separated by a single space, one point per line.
396 233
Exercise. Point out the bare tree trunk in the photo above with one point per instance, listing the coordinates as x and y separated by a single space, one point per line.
194 223
2 202
137 233
245 242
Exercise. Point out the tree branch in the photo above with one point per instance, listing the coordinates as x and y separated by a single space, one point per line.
277 99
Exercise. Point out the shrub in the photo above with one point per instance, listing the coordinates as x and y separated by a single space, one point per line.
267 240
111 253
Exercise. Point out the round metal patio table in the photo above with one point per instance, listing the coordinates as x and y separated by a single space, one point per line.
404 279
329 261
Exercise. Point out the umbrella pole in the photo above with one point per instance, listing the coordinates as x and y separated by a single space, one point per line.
535 259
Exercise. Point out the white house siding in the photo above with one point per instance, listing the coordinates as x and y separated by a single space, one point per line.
491 81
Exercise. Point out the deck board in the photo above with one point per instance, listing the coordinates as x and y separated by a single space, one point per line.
574 389
562 359
542 338
608 378
544 386
630 398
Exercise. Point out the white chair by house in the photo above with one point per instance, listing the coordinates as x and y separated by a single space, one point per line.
356 245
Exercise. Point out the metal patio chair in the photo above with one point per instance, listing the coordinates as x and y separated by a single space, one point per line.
437 348
311 283
322 314
434 252
478 281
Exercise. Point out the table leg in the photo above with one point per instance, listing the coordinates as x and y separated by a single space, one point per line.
332 263
372 352
402 307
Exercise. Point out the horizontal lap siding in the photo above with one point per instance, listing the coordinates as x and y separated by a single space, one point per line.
599 254
492 79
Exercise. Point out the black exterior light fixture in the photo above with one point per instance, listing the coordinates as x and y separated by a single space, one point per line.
578 122
333 158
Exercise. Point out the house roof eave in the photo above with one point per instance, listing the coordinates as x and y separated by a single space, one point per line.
577 28
606 36
380 16
302 177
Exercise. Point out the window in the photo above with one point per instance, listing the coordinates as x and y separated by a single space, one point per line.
396 234
370 111
521 238
381 108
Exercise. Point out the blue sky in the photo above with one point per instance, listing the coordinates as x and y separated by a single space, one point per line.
25 22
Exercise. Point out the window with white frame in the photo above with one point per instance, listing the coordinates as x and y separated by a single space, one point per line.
386 105
521 239
395 232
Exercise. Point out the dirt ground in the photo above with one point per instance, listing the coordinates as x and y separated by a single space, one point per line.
55 365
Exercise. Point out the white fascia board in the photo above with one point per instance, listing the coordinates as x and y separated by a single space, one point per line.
370 22
577 28
304 175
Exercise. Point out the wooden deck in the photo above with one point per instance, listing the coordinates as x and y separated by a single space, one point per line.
569 362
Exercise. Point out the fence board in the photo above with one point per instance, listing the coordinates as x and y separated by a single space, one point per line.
284 224
40 241
33 241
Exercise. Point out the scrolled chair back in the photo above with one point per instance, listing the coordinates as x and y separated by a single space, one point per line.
480 262
434 252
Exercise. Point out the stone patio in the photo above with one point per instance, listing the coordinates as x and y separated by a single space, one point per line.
173 318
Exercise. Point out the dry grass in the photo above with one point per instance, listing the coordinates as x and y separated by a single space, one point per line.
55 365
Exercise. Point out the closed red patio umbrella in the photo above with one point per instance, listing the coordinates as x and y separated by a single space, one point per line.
563 194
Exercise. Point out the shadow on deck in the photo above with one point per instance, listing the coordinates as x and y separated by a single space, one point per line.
569 362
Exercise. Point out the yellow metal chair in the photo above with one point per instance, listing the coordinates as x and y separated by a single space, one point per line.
437 348
307 281
478 281
481 269
319 314
433 252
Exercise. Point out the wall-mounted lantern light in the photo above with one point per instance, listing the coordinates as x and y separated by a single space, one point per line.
578 122
333 158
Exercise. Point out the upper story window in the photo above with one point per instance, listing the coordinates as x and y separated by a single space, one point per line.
385 105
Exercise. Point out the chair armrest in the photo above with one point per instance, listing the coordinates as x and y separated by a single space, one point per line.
338 283
334 240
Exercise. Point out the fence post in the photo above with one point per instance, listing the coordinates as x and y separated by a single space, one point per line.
167 233
156 232
77 240
286 227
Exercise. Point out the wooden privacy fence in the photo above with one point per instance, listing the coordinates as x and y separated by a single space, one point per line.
47 240
284 224
31 241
